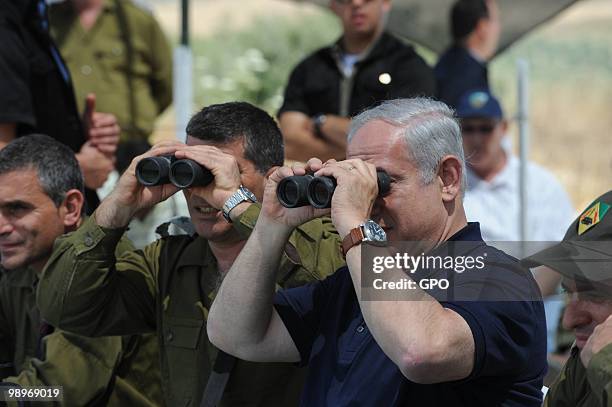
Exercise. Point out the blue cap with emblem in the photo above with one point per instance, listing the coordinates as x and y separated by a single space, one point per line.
479 103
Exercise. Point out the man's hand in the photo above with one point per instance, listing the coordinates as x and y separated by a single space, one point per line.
288 218
101 129
130 197
95 166
223 166
356 191
601 336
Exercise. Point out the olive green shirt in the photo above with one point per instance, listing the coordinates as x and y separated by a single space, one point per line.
86 290
89 369
98 60
580 387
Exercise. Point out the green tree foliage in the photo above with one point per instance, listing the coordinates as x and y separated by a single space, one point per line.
253 64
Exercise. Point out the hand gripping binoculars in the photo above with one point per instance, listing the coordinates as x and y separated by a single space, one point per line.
166 169
302 190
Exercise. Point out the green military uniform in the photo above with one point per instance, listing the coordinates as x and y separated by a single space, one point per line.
580 387
124 59
169 288
584 257
90 369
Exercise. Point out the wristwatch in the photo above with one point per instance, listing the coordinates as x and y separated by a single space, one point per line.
369 231
241 195
318 121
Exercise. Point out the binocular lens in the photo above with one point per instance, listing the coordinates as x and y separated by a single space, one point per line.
320 191
292 192
188 173
296 190
152 171
161 170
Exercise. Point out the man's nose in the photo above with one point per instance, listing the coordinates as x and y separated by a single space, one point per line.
6 227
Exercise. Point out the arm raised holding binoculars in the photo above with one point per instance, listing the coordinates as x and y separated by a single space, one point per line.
243 320
129 196
110 295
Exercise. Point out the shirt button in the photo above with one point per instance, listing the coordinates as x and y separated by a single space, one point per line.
360 329
384 78
88 241
86 70
169 336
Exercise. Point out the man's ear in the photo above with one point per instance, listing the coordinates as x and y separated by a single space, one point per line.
71 209
481 30
450 174
504 124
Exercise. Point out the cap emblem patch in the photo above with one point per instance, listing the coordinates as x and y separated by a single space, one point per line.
592 216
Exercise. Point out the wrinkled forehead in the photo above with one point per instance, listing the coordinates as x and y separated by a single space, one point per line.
382 145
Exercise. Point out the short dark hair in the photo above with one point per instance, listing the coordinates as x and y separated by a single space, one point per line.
465 15
57 167
229 122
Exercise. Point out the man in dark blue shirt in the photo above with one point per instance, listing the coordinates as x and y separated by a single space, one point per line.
475 28
479 342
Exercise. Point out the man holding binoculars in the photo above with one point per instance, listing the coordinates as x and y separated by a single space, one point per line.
384 351
169 286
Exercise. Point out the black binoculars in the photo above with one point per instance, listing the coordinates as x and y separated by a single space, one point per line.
302 190
164 169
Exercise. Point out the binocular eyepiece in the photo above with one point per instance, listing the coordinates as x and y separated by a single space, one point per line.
302 190
166 169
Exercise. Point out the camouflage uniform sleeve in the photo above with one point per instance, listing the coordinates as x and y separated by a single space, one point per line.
319 247
599 375
315 245
85 289
562 391
84 367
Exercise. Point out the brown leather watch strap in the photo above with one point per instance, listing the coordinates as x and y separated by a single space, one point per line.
354 238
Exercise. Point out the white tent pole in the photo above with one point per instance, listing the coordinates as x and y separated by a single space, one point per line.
523 122
183 94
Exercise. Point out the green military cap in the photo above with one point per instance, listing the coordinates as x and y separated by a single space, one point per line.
585 253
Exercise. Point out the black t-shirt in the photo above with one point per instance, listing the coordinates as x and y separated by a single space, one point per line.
314 84
347 367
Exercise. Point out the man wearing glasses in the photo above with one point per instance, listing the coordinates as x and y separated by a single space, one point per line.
492 193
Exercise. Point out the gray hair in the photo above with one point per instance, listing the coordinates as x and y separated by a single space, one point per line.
431 132
57 167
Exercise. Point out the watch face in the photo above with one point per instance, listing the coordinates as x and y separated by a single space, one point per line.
374 233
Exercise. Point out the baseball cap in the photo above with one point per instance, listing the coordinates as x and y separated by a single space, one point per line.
479 103
585 254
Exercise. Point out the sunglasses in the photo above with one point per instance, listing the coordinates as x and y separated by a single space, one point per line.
477 128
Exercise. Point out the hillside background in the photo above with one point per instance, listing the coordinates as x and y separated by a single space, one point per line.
245 49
